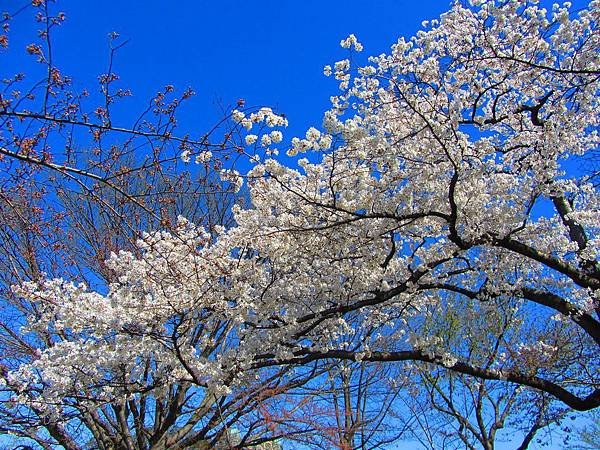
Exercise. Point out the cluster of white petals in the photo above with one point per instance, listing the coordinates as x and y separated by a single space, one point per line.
233 177
267 118
351 43
204 157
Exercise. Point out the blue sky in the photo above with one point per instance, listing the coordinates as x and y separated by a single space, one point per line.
267 52
270 53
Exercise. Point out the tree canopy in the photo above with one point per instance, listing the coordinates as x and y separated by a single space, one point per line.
445 214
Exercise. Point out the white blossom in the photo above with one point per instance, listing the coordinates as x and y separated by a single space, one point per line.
251 139
351 42
276 136
237 116
185 156
203 157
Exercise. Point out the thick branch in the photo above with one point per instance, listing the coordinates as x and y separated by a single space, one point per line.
576 231
578 403
573 273
585 321
590 325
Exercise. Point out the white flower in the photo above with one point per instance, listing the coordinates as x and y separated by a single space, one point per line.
237 116
350 42
251 139
203 157
265 140
342 66
327 70
232 176
247 124
325 142
276 136
312 134
185 156
267 116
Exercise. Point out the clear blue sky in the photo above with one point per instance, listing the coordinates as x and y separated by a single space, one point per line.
267 52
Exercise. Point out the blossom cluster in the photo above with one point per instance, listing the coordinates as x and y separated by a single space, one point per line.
263 115
351 42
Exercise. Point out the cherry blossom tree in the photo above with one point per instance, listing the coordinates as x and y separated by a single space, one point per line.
442 169
447 172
